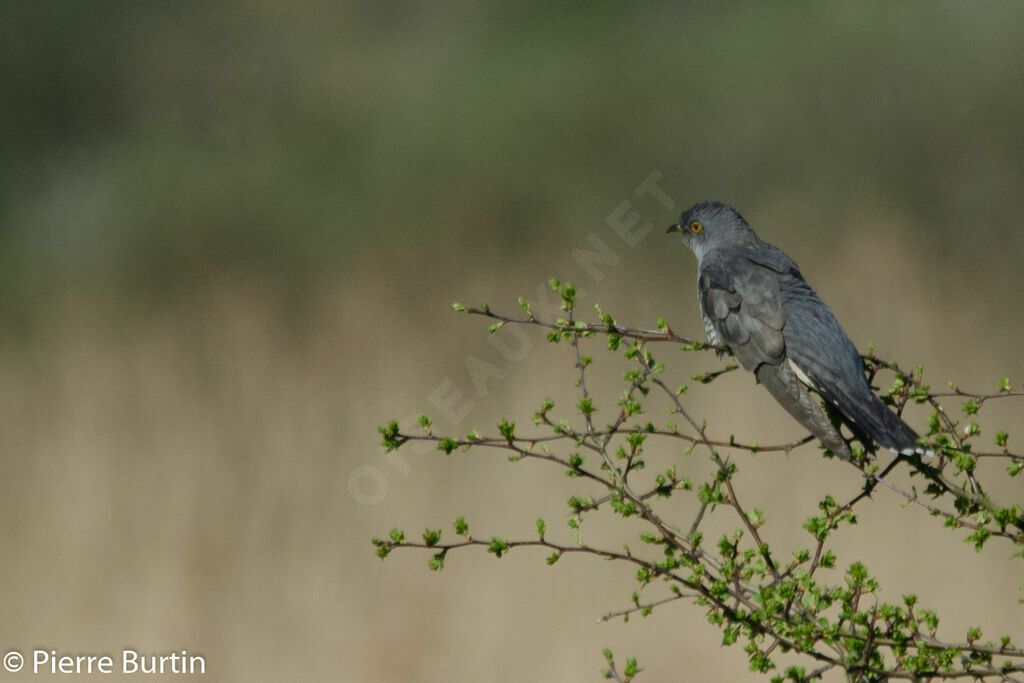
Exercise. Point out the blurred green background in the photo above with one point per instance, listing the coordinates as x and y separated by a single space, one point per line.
230 234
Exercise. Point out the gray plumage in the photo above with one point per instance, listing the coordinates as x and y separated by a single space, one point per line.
755 301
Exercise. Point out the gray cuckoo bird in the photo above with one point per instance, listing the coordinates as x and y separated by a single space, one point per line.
755 301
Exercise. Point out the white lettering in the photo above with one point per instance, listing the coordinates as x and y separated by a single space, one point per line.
446 398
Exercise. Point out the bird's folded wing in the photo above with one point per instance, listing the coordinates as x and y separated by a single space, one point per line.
817 344
743 304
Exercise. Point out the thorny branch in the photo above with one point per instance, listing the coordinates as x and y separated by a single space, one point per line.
746 591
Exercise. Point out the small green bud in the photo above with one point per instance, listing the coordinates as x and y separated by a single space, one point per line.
631 669
383 547
586 406
507 429
390 436
498 546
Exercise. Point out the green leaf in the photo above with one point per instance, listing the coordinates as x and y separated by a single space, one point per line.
383 547
460 526
635 439
964 462
541 527
447 444
796 673
458 307
568 293
431 537
929 619
978 538
498 546
507 429
586 406
710 494
390 436
579 503
631 669
858 572
436 563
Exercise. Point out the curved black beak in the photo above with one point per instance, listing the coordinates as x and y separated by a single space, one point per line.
678 227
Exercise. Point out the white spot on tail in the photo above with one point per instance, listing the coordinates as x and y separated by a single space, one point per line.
927 452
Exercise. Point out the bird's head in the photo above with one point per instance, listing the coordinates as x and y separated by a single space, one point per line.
710 225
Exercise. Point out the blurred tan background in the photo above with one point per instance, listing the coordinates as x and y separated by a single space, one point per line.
230 235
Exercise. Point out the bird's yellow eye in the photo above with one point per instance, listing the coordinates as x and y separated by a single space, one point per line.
696 227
